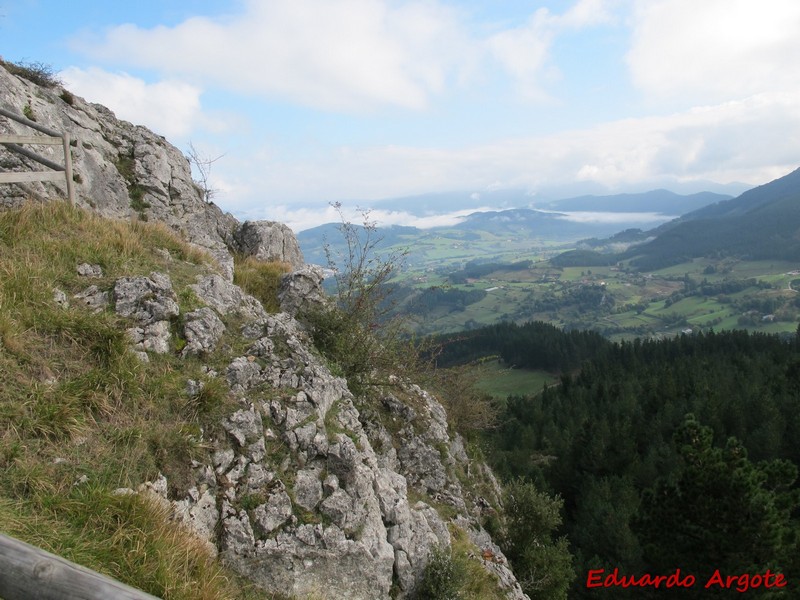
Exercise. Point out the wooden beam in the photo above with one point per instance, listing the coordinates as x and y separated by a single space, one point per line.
28 176
68 169
30 139
28 573
32 124
35 157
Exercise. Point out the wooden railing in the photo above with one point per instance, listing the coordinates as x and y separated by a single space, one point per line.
51 138
30 573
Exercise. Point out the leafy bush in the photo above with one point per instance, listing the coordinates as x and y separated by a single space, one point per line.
442 578
27 110
542 565
67 97
469 411
353 333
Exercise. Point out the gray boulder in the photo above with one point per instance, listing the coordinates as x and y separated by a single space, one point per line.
226 298
308 488
275 512
146 299
87 270
202 330
301 291
150 302
93 298
269 241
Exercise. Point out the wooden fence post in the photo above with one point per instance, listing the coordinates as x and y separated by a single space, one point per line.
11 142
68 169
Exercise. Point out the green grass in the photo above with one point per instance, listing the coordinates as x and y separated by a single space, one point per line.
260 279
80 415
500 382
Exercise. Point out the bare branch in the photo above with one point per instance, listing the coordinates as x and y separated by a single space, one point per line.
201 164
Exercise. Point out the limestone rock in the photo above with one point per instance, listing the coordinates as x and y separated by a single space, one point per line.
301 291
87 270
146 299
243 374
202 329
60 298
308 488
269 241
153 337
245 426
199 512
338 507
93 298
225 297
274 513
238 539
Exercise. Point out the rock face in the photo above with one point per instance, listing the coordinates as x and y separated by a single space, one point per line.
269 241
150 302
305 493
301 291
306 490
125 171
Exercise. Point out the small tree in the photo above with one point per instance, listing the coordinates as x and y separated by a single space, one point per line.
201 164
356 333
543 565
469 410
443 577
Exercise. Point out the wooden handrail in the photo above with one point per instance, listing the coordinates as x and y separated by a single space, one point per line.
11 142
30 573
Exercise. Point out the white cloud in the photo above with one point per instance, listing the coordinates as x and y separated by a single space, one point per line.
341 55
170 108
299 219
715 49
616 217
524 51
749 141
587 13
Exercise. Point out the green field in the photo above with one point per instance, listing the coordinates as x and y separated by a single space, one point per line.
626 303
500 382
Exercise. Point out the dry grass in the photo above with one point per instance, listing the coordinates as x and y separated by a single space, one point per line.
260 279
81 416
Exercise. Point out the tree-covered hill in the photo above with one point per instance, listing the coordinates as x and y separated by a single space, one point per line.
762 223
679 453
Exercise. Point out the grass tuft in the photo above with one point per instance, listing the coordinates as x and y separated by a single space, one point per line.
260 279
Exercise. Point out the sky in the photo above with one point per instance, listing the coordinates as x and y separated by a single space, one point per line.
300 103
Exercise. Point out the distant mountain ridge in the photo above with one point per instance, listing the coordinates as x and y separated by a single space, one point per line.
762 223
555 221
661 201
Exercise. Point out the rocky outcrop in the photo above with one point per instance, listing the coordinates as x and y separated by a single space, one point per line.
150 302
124 171
269 241
305 490
306 493
301 291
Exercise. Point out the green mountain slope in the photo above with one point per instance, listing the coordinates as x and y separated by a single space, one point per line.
761 224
